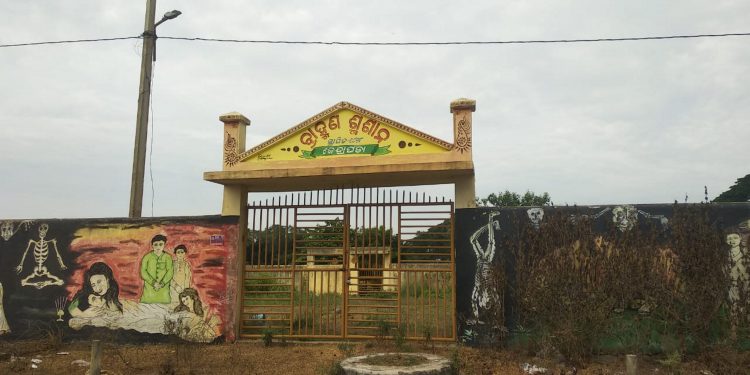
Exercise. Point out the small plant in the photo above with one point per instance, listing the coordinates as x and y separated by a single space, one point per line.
455 362
427 337
383 330
267 337
346 348
672 360
399 336
168 368
55 335
18 365
332 368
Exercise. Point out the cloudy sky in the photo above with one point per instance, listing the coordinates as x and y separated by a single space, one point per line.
595 123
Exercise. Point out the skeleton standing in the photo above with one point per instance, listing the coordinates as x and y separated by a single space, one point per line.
41 277
484 297
4 328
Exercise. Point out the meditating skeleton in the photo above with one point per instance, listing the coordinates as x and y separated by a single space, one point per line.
41 277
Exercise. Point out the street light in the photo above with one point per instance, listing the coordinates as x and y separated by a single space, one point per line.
144 97
172 14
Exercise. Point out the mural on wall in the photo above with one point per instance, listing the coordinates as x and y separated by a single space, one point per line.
40 277
147 277
739 262
4 328
7 230
536 215
484 296
626 217
481 235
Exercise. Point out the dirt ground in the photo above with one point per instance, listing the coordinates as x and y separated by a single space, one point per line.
286 358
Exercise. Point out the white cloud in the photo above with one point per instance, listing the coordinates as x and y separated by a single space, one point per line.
637 122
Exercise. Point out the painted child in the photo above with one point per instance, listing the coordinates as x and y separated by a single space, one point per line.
183 274
156 272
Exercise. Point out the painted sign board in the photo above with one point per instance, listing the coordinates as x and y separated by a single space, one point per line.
345 131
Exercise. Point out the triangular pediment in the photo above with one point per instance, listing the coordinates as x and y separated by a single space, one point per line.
345 130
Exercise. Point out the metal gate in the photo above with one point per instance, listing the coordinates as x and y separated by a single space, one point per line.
350 263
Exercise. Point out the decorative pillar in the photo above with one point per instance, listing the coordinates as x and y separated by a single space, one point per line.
235 200
462 109
235 196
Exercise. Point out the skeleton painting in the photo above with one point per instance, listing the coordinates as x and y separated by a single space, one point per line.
4 328
40 277
574 218
737 267
535 214
626 217
662 219
7 230
484 297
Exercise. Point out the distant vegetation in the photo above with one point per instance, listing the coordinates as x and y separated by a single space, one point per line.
739 192
510 199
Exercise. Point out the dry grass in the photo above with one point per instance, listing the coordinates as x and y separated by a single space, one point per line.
654 289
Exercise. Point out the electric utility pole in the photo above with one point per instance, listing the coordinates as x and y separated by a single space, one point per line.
141 125
144 99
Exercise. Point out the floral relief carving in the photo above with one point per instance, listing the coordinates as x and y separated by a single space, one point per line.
230 151
463 136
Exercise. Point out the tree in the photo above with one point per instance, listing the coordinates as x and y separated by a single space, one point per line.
508 198
739 192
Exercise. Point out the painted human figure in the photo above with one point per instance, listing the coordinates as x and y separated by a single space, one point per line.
484 297
536 215
99 294
738 267
41 277
156 272
182 273
4 328
197 323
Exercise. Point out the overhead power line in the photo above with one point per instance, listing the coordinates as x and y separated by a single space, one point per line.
340 43
70 41
537 41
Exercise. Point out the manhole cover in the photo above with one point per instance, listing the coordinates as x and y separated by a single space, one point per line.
396 364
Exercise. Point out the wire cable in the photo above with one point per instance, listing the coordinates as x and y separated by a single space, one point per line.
340 43
69 41
537 41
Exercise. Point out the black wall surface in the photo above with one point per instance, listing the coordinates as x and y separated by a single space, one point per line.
513 221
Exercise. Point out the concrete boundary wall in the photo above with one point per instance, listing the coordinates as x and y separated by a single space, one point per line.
481 235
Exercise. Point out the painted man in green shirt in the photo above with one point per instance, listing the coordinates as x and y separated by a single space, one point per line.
156 272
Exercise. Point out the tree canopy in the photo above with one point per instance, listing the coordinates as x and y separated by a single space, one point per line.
739 192
508 198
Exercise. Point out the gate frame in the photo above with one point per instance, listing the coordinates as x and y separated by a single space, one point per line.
455 166
402 223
